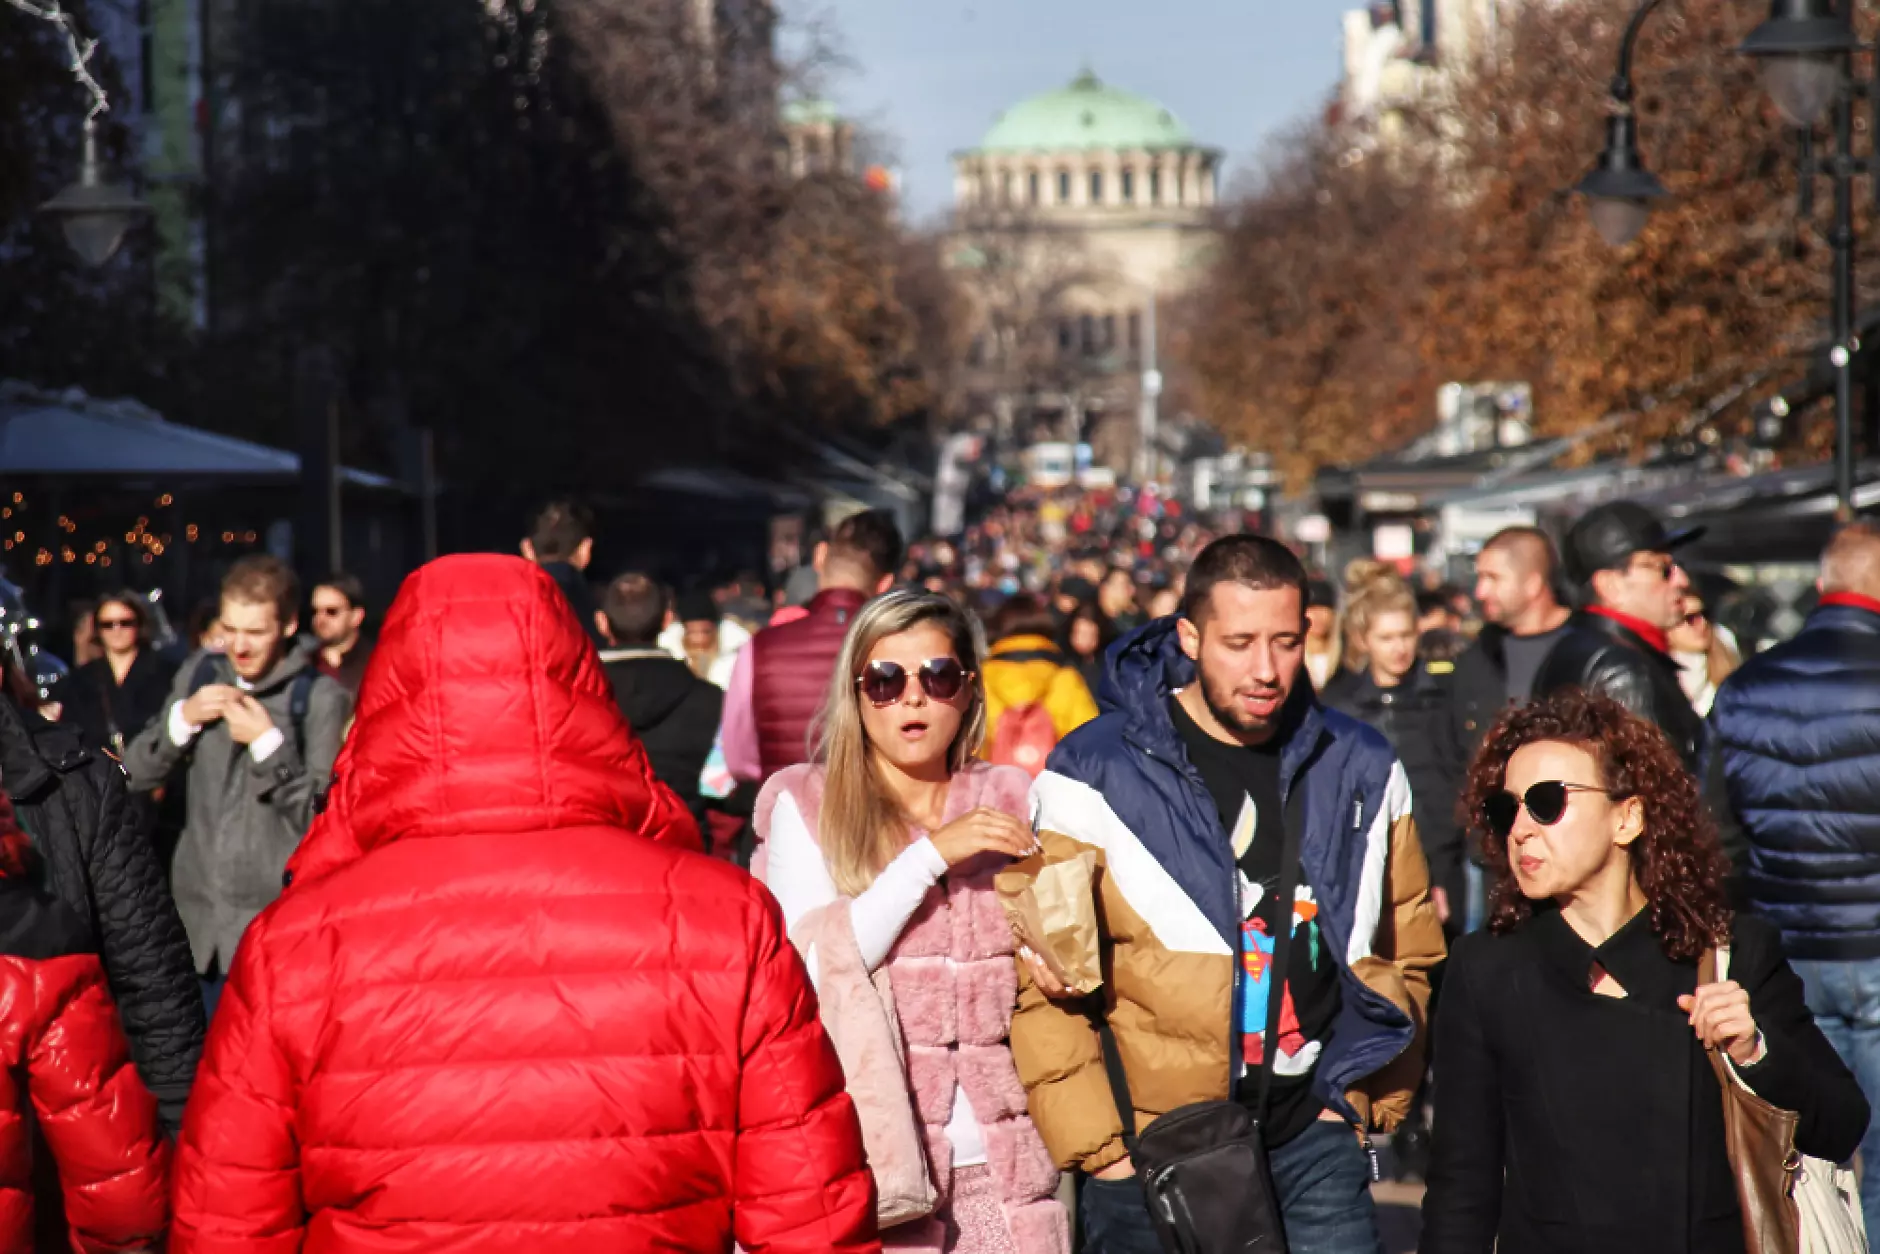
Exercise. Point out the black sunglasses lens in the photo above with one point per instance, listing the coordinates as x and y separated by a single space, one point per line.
943 678
883 682
1500 810
1547 802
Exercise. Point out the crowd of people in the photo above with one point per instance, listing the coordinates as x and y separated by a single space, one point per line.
1091 880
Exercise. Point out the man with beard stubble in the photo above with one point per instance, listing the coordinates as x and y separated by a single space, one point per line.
1213 780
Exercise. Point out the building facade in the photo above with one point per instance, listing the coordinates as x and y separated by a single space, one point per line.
1080 213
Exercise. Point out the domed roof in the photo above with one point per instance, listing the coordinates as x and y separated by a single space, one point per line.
1086 114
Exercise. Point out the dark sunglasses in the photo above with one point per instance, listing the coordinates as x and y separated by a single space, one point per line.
1546 801
942 678
115 624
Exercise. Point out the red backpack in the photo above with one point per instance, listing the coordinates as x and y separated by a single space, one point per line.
1025 737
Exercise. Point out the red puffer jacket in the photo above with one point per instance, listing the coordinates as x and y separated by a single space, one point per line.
490 1014
63 1056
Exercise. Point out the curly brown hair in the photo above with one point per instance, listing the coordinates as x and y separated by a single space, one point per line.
1679 863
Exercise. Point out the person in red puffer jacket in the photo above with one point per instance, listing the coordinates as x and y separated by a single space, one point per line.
65 1066
503 1004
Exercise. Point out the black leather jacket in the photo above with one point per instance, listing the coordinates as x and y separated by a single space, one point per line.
1604 656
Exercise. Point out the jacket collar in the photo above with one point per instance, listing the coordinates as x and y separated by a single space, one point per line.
1146 667
841 603
1643 631
1631 955
1852 601
33 750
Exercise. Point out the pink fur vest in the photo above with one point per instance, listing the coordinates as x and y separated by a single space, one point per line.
954 984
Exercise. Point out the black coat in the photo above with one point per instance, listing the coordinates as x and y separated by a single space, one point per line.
673 712
1607 657
1566 1121
1415 717
95 854
98 706
1478 689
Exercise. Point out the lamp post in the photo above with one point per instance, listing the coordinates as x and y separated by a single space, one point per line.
96 210
1806 51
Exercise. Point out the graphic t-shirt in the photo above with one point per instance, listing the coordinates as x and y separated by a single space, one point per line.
1244 782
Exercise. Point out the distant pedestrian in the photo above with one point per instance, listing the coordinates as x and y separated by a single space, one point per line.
1705 652
1408 700
256 730
1576 1109
1325 636
1034 694
882 856
339 619
1795 729
113 697
1623 561
701 635
780 679
673 712
504 1004
68 1081
1116 596
560 540
1088 633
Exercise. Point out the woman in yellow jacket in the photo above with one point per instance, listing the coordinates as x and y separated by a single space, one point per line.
1028 678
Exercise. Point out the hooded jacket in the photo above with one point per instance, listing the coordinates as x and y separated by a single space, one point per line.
1026 670
1795 728
503 1005
66 1073
1123 788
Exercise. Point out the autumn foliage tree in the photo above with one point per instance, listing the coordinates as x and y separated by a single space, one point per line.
1359 275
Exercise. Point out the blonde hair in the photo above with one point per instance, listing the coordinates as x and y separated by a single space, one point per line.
862 826
1374 590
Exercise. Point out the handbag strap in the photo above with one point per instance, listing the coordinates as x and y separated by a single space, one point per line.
1275 1001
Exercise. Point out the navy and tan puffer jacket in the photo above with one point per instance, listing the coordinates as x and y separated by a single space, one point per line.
1799 731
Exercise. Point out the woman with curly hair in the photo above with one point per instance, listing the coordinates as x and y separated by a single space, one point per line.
1575 1109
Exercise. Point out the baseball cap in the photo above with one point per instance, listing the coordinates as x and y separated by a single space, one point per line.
1606 537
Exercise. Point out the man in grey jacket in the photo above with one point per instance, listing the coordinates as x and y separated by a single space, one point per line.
259 731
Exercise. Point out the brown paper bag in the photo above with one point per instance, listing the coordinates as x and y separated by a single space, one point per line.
1053 911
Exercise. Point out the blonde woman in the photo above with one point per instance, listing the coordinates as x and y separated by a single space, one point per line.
1409 702
882 853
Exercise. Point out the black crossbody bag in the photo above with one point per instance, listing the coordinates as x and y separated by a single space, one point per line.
1203 1167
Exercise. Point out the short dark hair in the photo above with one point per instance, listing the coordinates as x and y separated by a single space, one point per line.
869 537
1257 561
262 579
1023 614
346 585
557 529
1433 601
1529 544
635 606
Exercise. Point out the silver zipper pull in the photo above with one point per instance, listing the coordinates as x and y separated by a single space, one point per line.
1370 1154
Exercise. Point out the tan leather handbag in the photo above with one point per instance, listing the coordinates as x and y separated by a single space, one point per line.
1791 1204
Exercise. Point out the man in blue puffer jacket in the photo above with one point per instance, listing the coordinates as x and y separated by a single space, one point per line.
1799 731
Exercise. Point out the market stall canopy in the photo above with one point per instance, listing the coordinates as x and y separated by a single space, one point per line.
69 434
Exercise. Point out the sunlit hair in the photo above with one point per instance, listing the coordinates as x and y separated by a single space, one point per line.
1372 590
862 826
1678 862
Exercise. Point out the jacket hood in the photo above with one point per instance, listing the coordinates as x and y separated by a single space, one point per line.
1023 676
651 684
485 710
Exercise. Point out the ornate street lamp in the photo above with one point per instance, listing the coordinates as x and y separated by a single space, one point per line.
1806 51
97 210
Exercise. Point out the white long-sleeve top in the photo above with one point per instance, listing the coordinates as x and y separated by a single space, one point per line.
799 878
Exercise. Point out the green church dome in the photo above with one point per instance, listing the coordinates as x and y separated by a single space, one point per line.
1086 114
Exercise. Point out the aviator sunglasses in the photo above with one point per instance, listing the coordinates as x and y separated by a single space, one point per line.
942 678
1546 801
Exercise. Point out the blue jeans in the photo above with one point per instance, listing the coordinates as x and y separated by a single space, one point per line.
211 993
1844 997
1324 1185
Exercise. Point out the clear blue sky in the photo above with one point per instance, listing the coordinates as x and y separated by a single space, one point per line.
930 75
